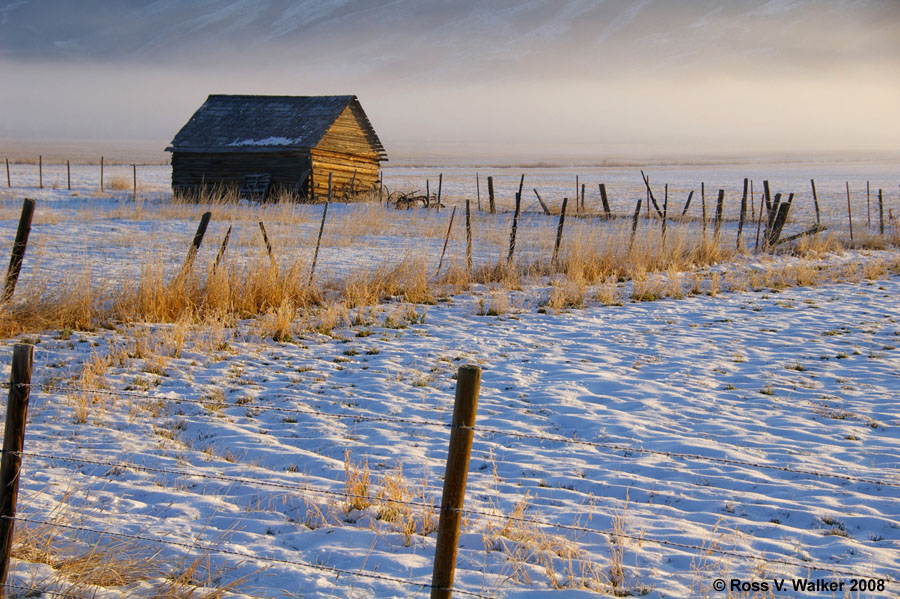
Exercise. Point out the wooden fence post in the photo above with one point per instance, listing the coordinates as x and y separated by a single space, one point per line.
665 215
540 200
68 176
687 204
720 203
605 201
440 185
312 268
101 173
134 179
762 200
521 183
577 203
868 208
195 245
8 180
221 253
468 383
18 250
512 232
491 194
634 223
743 215
812 183
559 231
646 179
468 240
703 208
880 213
262 228
446 241
849 212
752 205
478 190
583 209
13 442
40 171
770 219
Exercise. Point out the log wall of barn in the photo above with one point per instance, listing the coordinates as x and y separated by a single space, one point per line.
342 167
190 169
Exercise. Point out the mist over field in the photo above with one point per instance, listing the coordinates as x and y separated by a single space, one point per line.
534 79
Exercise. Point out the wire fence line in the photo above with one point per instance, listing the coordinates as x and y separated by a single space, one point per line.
686 456
246 406
612 535
486 431
295 488
243 554
226 478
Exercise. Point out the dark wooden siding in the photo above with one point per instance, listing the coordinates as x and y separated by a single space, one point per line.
190 169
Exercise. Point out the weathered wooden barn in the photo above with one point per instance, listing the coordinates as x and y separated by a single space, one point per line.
288 143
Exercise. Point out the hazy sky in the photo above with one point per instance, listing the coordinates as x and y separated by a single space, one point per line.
652 75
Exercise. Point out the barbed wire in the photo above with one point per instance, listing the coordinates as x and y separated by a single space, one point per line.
224 478
484 431
611 534
673 454
245 555
35 589
641 538
248 406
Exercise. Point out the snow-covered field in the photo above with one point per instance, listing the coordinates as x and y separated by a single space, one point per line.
748 436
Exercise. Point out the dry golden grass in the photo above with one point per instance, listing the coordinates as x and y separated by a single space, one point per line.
79 565
594 254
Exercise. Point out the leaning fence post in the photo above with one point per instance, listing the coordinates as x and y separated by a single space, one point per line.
312 268
18 251
13 441
512 232
221 253
446 241
262 228
8 180
559 231
468 382
634 223
665 216
195 245
605 201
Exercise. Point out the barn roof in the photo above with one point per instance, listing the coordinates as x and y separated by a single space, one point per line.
226 123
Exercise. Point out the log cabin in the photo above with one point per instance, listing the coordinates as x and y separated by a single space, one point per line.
264 144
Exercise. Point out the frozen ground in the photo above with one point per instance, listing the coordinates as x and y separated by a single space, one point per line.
805 379
748 435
